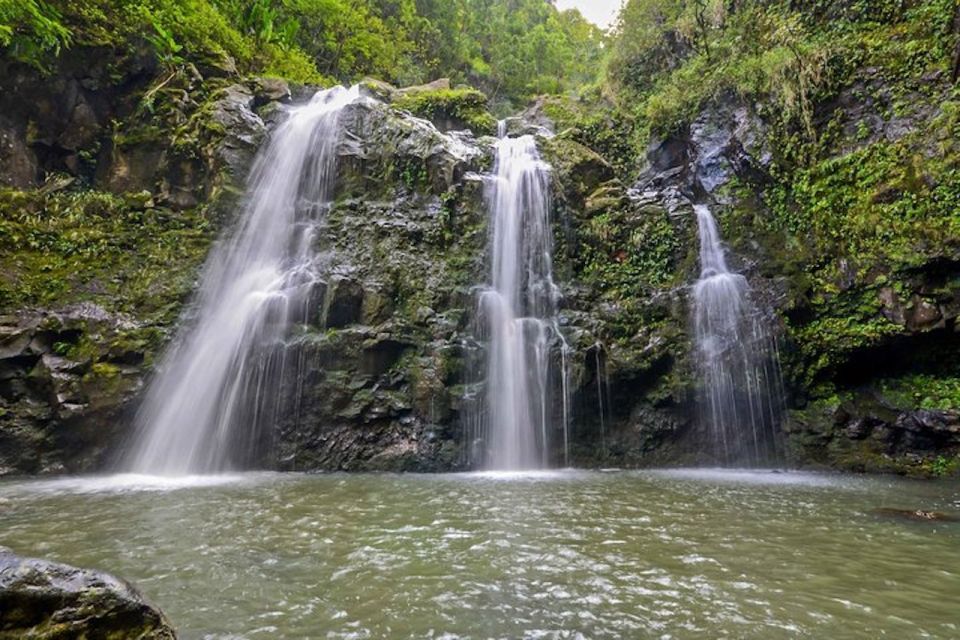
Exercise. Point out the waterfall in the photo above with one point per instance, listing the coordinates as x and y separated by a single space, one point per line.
739 386
518 315
216 398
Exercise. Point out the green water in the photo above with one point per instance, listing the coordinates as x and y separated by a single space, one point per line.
564 555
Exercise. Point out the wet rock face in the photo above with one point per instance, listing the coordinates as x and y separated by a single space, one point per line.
383 150
172 149
224 143
916 301
18 163
403 245
400 248
380 363
867 114
65 380
97 123
726 141
55 123
47 600
870 434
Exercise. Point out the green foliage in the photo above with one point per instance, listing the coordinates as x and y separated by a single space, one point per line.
462 105
63 247
829 340
348 39
922 391
510 48
598 125
942 466
670 58
881 204
163 42
31 29
626 259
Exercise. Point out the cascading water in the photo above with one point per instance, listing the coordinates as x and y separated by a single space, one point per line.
518 315
740 396
217 393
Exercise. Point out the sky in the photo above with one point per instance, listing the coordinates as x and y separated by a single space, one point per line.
601 12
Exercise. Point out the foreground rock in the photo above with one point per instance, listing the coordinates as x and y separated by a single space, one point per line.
46 600
916 515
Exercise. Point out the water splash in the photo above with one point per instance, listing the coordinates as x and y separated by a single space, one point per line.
216 398
518 317
740 389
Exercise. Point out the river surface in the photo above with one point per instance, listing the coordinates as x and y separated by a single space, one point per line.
653 554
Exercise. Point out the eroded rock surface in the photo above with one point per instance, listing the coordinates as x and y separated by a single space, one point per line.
46 600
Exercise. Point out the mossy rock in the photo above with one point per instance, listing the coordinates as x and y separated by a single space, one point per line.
582 170
450 109
47 600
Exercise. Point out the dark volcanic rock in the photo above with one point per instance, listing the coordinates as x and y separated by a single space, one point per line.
59 410
726 141
51 601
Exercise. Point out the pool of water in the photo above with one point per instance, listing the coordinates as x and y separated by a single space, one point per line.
653 554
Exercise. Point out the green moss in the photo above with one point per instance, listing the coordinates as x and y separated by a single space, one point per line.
104 370
461 106
66 247
627 259
597 124
828 341
922 391
942 466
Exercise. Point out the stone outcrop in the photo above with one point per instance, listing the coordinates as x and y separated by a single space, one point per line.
52 601
61 413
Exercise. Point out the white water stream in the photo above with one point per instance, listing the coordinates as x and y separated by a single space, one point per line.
518 313
739 373
216 395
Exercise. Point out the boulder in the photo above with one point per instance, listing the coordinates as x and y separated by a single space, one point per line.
266 90
48 600
448 109
916 515
234 114
378 89
584 169
441 84
383 148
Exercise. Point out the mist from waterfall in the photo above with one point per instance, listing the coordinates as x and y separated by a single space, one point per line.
215 399
739 386
525 371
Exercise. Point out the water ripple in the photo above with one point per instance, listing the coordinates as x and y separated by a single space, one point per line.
658 554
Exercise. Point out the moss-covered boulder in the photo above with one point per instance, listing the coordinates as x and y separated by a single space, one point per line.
51 601
449 108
